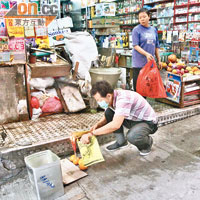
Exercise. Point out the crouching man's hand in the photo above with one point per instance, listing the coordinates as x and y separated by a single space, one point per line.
85 139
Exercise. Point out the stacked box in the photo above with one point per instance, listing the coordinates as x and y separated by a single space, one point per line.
105 22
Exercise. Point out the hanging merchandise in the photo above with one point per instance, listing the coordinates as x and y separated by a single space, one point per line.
164 37
169 37
41 31
182 36
29 31
175 36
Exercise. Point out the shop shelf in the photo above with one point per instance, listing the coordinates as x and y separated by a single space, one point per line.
194 21
180 14
130 13
194 4
180 22
180 6
194 12
129 24
164 17
157 2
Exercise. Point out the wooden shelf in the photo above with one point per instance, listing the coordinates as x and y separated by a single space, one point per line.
44 69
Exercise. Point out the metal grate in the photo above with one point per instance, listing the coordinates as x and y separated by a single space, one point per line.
57 127
48 128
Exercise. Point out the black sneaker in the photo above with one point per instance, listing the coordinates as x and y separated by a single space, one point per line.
145 152
116 146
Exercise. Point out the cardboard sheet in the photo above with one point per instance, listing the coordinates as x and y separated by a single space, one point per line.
71 172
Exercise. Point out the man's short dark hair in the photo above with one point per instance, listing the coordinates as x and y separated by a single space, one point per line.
102 87
144 10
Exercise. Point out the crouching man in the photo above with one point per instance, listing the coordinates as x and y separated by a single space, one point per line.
123 108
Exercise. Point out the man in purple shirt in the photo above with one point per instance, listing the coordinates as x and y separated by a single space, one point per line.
123 108
145 43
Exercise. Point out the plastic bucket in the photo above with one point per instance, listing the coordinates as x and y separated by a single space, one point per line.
44 170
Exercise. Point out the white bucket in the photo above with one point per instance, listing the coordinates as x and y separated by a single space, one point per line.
44 170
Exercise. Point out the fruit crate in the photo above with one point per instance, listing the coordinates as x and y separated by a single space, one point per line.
182 91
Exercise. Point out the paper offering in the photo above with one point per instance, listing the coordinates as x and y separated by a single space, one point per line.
90 153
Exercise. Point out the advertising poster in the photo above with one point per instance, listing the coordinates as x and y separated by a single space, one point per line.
17 48
173 87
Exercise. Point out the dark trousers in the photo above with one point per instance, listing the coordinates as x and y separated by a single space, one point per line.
138 133
136 72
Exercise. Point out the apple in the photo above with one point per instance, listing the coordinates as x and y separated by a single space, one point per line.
170 64
174 71
178 71
186 71
189 68
191 72
182 73
169 69
182 70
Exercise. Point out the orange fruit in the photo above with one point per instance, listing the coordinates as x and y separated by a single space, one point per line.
75 161
81 165
72 158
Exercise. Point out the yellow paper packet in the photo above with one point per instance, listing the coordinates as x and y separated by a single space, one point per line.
90 153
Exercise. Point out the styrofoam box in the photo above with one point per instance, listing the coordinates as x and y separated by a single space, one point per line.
44 170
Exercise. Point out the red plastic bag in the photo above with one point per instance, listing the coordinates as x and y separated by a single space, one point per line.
52 104
35 102
149 82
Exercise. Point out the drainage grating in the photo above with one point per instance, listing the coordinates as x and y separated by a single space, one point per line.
48 128
58 127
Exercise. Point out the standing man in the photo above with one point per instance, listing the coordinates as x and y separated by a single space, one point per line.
123 108
145 44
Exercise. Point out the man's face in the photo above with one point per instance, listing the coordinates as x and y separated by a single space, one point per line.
107 99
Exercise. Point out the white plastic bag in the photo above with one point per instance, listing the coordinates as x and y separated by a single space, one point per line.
41 83
82 48
36 113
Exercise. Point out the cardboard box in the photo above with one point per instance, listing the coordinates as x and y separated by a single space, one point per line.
105 22
107 31
105 9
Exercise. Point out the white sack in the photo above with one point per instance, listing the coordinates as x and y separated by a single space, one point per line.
82 48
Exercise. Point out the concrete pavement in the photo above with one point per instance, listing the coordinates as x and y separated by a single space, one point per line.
170 172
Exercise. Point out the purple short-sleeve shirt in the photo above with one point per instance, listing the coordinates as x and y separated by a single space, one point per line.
147 39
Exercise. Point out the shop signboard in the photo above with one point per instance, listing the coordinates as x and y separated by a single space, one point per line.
173 87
